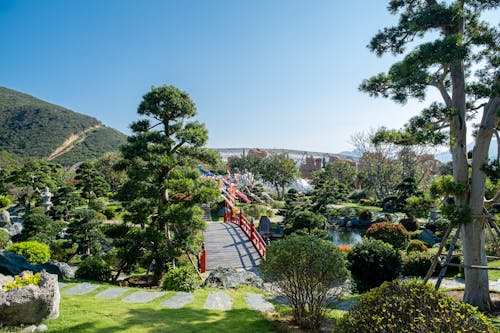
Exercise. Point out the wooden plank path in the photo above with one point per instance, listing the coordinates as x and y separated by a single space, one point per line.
228 246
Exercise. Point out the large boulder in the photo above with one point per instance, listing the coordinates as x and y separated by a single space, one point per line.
225 277
31 304
4 218
13 264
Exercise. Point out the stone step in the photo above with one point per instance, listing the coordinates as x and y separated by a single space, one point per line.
111 293
143 296
257 302
80 289
219 301
178 300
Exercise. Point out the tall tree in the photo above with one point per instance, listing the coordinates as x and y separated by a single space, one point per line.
164 189
445 61
91 182
281 171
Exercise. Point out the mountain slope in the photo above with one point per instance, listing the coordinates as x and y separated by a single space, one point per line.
30 127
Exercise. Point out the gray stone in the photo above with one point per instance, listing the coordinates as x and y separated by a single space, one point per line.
143 296
80 289
178 300
31 304
259 303
15 229
219 301
13 264
111 293
4 218
4 279
42 328
29 329
225 277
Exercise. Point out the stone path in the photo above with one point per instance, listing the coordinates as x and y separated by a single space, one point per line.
219 301
215 300
178 300
228 246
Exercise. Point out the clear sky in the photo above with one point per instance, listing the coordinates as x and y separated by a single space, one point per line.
271 74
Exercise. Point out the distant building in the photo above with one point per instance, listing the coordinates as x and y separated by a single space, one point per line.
311 164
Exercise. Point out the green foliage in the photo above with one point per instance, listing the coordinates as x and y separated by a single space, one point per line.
304 220
373 262
417 263
34 252
85 230
327 191
304 268
410 223
457 214
394 234
25 280
110 212
4 202
279 170
93 268
247 163
410 306
439 225
445 186
41 228
365 215
357 195
90 181
4 238
416 245
30 127
419 206
182 278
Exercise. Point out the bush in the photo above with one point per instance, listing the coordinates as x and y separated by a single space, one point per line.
93 268
365 215
4 201
373 262
439 226
409 223
26 280
365 202
34 252
110 212
182 278
411 307
296 259
416 245
357 195
418 263
4 238
394 234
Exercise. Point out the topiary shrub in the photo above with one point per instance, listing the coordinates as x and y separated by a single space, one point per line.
417 263
34 252
416 245
304 269
93 268
4 238
4 201
182 278
373 262
365 215
394 234
409 223
411 307
110 212
439 226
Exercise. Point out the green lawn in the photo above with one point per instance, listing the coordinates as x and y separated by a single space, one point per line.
493 274
86 313
361 207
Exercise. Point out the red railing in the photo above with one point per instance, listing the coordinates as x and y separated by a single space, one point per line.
249 229
202 259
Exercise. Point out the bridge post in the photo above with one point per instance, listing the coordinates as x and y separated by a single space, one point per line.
202 259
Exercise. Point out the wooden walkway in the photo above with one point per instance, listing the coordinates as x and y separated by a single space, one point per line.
228 246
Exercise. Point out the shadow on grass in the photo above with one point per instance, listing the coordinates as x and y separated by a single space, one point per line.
173 320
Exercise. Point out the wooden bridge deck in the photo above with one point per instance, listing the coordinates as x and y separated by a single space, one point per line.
228 246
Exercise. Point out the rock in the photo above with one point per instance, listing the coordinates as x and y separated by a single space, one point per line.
15 229
13 264
29 329
42 328
31 304
225 277
4 279
4 218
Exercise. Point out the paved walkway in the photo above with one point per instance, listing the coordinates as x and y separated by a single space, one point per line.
228 246
214 301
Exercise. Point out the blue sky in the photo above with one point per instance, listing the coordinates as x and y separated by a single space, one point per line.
274 74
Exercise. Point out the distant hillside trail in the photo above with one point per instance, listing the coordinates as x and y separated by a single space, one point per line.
70 141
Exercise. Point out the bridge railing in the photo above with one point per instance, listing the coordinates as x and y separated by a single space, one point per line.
249 229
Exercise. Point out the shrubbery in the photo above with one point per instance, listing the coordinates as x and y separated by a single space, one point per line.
182 278
416 245
26 280
93 268
34 252
411 307
365 215
373 262
394 234
4 201
4 238
110 212
409 223
417 263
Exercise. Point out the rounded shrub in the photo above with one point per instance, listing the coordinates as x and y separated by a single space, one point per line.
365 215
110 212
416 245
417 263
182 278
409 223
411 307
4 201
4 238
34 252
394 234
373 262
93 268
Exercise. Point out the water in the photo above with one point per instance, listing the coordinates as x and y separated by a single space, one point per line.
346 236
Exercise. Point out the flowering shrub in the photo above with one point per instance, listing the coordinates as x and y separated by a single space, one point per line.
417 263
410 306
25 280
344 248
394 234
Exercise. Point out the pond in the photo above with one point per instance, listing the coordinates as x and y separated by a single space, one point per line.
345 236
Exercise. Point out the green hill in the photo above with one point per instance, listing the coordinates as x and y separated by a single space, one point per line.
30 127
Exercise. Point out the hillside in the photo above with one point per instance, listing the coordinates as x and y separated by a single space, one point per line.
30 127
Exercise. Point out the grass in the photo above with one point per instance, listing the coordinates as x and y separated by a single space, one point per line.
493 274
87 313
361 207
